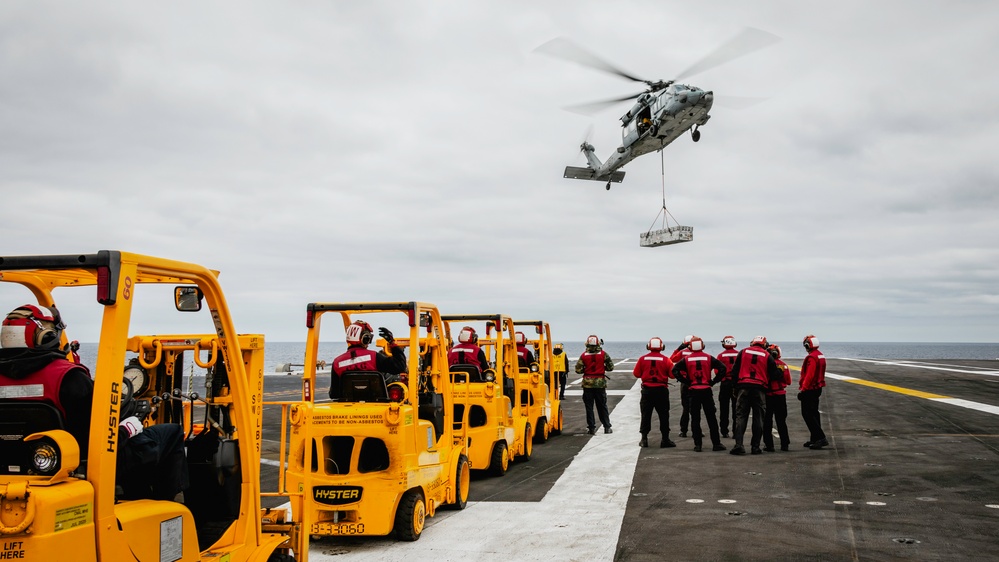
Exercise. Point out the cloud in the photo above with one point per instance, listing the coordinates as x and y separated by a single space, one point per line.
386 151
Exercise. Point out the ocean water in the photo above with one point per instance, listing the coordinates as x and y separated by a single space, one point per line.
276 353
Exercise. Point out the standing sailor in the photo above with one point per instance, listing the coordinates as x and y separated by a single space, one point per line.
777 405
655 370
813 378
593 364
695 370
726 391
560 366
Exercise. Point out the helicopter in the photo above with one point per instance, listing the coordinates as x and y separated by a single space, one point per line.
662 113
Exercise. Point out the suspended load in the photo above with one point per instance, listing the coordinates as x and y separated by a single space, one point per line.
666 236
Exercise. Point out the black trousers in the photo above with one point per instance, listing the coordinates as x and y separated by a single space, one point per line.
810 413
152 465
597 397
703 399
684 407
726 403
563 377
749 398
776 413
655 398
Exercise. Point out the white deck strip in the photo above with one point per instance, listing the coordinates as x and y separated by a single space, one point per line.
960 402
930 366
579 518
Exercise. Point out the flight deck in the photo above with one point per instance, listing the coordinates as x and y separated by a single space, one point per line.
911 473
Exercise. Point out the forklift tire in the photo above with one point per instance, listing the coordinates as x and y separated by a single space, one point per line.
500 460
541 435
280 557
528 444
462 476
411 516
557 430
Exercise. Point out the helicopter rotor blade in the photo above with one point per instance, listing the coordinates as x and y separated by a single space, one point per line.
595 106
564 49
747 41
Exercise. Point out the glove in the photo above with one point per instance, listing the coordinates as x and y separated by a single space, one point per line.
132 425
386 334
800 394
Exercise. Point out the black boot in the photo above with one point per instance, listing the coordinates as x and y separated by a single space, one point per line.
666 444
644 442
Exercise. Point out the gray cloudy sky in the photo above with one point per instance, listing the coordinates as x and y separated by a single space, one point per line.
414 151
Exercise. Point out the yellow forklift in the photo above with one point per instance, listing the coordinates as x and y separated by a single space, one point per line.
57 505
548 417
386 451
499 428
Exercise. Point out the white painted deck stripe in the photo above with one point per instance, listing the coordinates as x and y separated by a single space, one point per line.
578 519
915 365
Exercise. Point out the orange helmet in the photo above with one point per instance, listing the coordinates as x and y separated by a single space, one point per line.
468 335
31 326
655 344
810 342
359 333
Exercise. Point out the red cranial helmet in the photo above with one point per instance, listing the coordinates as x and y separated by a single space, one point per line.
810 342
468 335
592 341
760 341
520 338
774 350
359 333
728 342
696 344
655 344
31 326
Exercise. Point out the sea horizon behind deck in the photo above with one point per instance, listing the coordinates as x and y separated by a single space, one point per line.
911 473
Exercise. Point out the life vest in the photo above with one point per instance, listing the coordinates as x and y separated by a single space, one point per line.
524 354
813 371
776 387
593 364
356 359
464 354
559 362
42 385
698 365
654 369
753 366
728 358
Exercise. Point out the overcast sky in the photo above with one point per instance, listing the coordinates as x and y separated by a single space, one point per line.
352 151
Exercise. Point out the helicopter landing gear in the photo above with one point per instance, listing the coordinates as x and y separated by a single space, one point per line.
608 186
695 134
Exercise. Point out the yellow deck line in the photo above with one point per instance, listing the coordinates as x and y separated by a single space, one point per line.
888 387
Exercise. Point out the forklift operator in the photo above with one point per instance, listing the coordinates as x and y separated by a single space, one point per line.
33 367
359 358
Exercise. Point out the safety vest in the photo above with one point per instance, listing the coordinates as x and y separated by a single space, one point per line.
698 365
753 366
356 359
593 364
464 354
813 371
559 362
728 358
776 387
522 352
42 385
654 370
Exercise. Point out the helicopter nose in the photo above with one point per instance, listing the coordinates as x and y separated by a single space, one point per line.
708 98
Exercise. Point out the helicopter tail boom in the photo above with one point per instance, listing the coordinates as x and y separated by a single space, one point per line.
576 173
